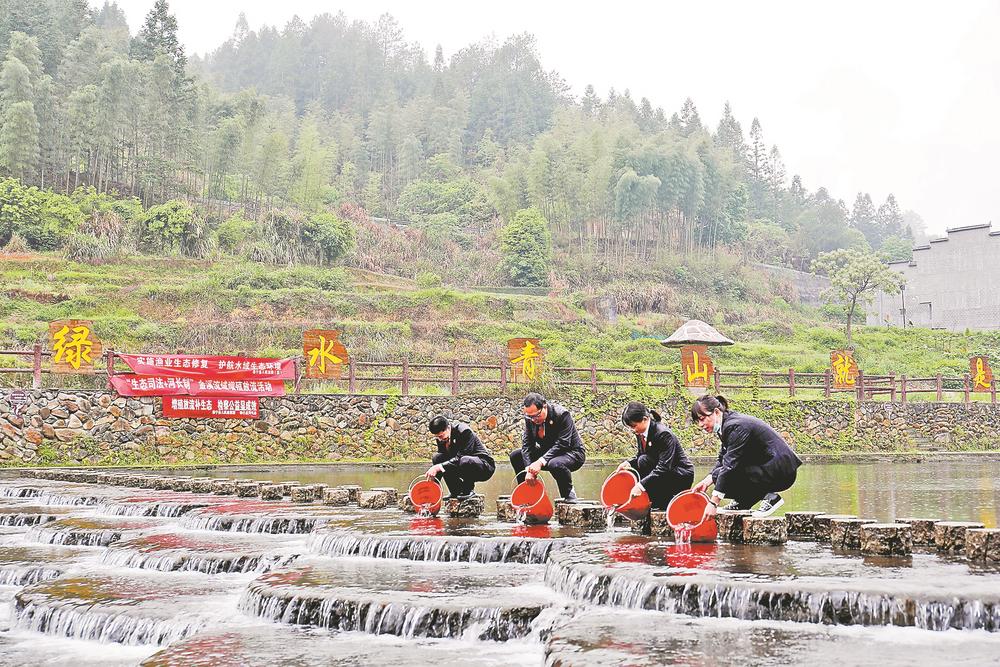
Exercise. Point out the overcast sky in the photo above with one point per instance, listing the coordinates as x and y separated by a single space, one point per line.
900 97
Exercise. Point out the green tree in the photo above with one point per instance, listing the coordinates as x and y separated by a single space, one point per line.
855 278
329 236
526 246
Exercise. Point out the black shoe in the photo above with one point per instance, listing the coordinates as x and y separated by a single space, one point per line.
772 501
464 496
571 496
733 507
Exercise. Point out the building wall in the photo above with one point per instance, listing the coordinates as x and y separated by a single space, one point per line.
952 283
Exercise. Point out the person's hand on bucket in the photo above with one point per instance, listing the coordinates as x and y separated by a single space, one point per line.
637 490
434 471
535 468
703 485
710 509
624 465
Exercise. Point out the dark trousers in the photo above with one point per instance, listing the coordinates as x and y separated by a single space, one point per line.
560 467
663 491
754 483
461 479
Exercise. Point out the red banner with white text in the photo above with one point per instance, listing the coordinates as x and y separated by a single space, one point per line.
207 366
210 406
158 385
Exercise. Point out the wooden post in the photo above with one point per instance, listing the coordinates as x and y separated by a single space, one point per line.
352 380
827 381
791 382
406 376
503 374
940 386
902 389
892 387
715 377
36 366
861 386
965 388
593 378
993 391
454 377
297 363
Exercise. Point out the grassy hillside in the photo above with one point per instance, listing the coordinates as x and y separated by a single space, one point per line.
160 304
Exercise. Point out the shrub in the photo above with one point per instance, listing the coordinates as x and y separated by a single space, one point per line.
174 226
527 249
428 279
89 249
329 236
234 232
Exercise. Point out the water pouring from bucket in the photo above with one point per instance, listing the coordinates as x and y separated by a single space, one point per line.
685 513
426 496
617 498
531 502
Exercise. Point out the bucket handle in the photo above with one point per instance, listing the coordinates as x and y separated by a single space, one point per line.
701 521
421 478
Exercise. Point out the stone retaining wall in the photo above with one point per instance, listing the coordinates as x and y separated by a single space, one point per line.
95 427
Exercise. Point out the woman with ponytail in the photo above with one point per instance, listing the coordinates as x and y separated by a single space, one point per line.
664 469
755 463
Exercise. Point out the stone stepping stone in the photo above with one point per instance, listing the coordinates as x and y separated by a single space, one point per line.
822 525
374 500
922 531
583 514
886 539
391 490
846 533
205 484
340 497
765 530
354 490
983 544
730 525
659 526
224 487
949 536
505 509
251 489
467 508
800 524
306 493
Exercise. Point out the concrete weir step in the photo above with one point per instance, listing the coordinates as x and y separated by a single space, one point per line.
401 599
406 546
595 639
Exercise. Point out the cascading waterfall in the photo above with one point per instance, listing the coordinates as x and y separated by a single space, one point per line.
734 599
68 620
155 508
350 613
450 549
273 524
19 492
25 575
193 562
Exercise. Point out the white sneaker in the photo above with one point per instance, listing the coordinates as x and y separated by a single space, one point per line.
771 502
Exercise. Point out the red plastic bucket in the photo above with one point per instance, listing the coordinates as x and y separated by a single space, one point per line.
426 495
688 508
530 498
616 492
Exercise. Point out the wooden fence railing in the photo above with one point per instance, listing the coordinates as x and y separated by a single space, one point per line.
456 378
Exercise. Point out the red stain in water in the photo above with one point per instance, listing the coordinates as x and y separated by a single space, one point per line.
540 530
427 526
691 556
627 552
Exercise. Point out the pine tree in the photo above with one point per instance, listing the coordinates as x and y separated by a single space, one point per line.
757 152
19 140
690 120
730 135
159 35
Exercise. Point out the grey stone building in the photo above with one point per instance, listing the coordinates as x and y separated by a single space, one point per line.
952 283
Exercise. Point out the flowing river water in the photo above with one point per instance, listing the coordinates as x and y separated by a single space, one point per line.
110 574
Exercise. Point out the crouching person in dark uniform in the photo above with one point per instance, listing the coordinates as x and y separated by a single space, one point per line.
755 463
664 469
461 457
550 442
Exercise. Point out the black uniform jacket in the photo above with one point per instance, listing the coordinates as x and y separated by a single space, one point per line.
463 442
561 436
751 450
662 446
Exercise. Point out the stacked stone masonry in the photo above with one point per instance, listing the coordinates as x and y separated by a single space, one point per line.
93 427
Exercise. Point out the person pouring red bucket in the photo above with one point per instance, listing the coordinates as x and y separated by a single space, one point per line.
461 459
663 468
